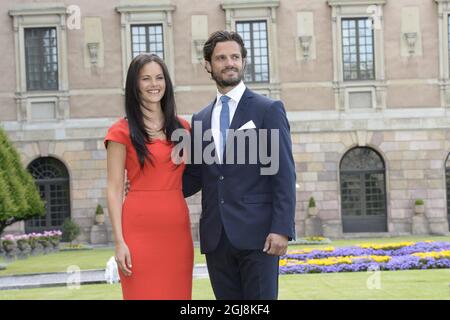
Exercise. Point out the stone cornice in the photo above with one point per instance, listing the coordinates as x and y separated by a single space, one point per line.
334 3
38 9
145 8
233 4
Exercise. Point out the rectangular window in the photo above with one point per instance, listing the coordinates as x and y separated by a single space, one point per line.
358 49
41 56
147 38
254 34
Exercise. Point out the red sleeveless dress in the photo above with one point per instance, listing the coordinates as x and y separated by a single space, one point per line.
155 223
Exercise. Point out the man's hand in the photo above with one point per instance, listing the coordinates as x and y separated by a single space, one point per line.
276 244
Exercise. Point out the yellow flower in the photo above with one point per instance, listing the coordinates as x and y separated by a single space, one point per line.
385 246
329 261
435 255
380 259
289 262
346 260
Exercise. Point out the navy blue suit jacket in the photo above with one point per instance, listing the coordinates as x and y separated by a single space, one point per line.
236 196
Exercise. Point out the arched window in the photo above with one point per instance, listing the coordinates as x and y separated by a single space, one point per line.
447 178
363 191
52 179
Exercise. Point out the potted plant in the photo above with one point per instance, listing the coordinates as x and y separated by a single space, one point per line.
99 215
70 231
419 206
312 209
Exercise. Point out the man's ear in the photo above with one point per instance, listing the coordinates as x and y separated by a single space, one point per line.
208 66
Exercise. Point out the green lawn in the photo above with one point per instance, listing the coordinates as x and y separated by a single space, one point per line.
412 284
60 261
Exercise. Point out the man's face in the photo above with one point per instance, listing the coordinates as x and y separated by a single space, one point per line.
227 65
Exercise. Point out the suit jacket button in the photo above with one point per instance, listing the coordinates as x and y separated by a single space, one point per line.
222 201
221 178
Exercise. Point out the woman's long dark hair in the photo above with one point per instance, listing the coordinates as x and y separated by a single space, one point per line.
133 106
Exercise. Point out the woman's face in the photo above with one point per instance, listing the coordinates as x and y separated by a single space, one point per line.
152 84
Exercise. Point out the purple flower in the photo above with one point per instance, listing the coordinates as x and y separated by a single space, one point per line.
401 259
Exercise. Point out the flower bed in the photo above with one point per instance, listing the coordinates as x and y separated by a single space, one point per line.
391 256
22 246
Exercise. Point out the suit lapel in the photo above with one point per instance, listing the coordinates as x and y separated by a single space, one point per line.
240 116
241 111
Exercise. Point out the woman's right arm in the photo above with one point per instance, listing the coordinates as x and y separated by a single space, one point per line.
116 155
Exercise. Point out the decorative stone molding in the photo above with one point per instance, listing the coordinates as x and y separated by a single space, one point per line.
41 15
94 44
199 33
141 13
373 89
248 10
198 45
93 51
411 38
411 34
305 38
305 43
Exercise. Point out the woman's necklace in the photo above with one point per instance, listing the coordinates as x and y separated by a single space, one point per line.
155 126
155 129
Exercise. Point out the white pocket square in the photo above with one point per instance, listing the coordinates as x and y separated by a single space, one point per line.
248 125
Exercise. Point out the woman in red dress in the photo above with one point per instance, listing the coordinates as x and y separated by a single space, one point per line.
153 242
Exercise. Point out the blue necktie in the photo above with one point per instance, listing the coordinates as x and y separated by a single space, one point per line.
224 123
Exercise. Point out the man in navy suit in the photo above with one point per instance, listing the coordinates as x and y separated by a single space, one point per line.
248 209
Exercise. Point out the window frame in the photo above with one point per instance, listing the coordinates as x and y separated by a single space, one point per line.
264 10
147 35
358 53
147 14
251 50
49 188
349 221
41 73
44 15
353 9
